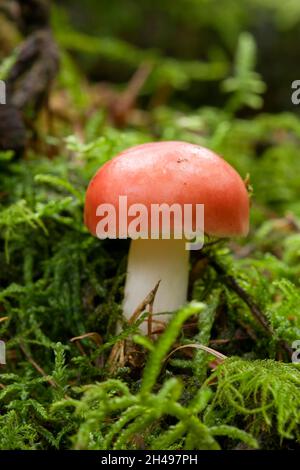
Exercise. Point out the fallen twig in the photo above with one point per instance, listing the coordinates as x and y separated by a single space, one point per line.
38 367
231 282
118 354
215 353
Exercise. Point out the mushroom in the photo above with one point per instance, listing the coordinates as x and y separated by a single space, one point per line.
155 174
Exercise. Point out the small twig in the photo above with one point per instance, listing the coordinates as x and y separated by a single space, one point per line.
80 348
150 321
234 285
253 307
93 336
117 355
136 84
160 327
148 301
215 353
150 314
248 330
38 367
220 341
127 99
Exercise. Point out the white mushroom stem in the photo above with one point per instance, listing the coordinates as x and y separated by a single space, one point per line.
151 261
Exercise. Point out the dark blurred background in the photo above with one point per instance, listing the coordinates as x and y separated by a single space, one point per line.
189 30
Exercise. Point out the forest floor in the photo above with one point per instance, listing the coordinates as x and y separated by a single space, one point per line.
69 380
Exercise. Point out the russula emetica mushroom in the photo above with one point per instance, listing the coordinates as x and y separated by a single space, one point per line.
163 173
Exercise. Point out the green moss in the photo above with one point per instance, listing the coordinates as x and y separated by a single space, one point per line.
58 283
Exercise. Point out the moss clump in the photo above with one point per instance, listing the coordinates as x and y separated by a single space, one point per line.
65 384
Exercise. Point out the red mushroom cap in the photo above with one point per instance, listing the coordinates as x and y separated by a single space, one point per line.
173 172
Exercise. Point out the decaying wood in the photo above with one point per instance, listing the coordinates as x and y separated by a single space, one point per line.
31 77
12 129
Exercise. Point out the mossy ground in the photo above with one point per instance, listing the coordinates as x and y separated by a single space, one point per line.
64 384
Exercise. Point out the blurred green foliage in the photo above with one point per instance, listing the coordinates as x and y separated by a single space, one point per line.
189 31
58 283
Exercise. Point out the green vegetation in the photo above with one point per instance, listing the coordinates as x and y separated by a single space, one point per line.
65 384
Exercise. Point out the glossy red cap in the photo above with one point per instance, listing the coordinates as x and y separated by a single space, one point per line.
173 172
